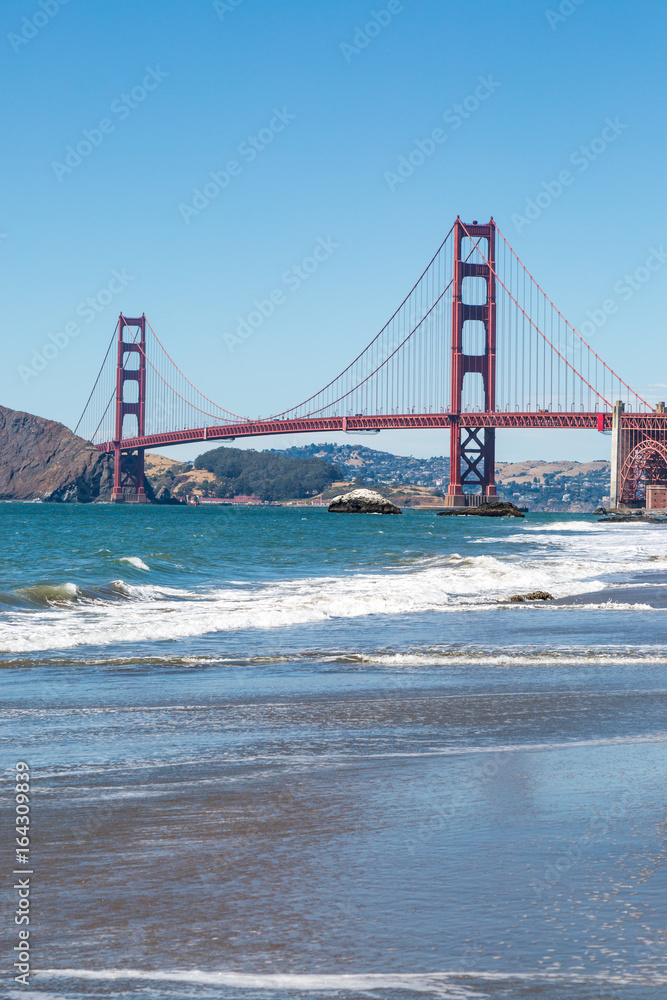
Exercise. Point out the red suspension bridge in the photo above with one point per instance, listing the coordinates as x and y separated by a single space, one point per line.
475 345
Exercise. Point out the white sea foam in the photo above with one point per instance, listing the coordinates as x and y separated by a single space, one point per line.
511 656
602 606
514 658
456 985
577 526
443 985
148 591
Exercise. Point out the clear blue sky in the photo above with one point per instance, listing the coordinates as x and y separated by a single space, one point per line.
211 75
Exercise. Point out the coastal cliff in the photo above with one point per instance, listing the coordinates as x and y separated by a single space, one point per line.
43 460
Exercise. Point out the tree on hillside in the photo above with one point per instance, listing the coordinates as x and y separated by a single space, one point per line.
268 475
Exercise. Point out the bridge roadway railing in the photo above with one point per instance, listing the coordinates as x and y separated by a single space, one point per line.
401 421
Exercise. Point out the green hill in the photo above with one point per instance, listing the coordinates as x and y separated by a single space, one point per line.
265 474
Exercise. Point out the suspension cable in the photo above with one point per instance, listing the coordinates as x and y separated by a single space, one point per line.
113 337
368 346
531 322
238 417
576 332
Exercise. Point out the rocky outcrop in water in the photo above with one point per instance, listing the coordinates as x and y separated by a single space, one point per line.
536 595
495 508
362 502
632 519
43 460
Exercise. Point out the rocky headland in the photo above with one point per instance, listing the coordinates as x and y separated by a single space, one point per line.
43 460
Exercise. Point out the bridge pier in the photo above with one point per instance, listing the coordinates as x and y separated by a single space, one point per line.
615 474
128 477
471 463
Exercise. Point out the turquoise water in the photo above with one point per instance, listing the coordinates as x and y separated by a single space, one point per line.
278 753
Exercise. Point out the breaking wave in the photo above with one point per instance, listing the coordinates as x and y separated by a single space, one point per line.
134 561
571 561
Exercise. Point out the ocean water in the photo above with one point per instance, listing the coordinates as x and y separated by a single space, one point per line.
282 754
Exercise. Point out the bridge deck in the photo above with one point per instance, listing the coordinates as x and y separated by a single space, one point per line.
402 421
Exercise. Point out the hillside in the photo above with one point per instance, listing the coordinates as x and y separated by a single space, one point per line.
535 484
528 472
43 460
229 472
555 486
357 461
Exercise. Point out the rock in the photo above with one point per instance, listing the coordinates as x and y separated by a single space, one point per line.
537 595
43 460
164 497
494 508
620 511
634 518
362 502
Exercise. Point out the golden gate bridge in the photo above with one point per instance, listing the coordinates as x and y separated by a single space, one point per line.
475 345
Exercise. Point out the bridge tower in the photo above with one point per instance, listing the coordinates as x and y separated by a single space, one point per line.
472 449
128 484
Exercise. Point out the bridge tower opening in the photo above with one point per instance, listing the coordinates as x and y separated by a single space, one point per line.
472 449
129 483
